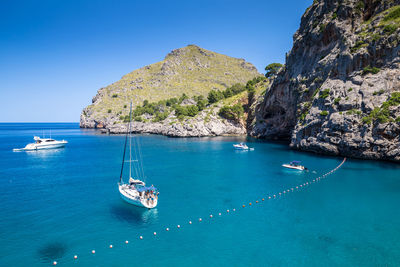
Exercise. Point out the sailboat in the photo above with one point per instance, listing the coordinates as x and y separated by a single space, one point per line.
135 191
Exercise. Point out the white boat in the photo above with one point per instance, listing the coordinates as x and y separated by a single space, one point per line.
294 165
241 146
135 191
42 143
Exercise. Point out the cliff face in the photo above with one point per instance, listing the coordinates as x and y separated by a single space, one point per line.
339 90
191 70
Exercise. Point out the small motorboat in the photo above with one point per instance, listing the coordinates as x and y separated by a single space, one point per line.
295 165
241 146
42 143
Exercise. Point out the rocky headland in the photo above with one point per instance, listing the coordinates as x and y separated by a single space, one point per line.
339 91
184 78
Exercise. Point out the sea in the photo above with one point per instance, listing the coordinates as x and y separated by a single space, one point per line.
61 203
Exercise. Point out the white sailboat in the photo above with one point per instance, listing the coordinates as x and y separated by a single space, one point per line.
135 191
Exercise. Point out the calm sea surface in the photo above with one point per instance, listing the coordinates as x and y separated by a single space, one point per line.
55 204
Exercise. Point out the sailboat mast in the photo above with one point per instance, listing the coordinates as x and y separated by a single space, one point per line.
130 143
126 139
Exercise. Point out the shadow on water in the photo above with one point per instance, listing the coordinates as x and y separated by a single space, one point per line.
132 214
52 251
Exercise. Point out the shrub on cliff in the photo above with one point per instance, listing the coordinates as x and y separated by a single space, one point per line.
234 90
201 103
190 110
231 112
214 96
369 69
272 69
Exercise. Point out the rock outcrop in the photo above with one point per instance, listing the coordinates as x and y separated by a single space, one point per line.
190 70
206 123
339 90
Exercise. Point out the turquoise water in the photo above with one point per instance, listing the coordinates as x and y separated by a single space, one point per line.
59 203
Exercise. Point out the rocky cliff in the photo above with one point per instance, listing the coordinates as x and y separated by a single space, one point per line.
339 92
190 70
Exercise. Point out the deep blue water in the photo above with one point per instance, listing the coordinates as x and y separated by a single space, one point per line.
59 203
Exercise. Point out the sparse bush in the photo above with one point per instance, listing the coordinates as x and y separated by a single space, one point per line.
379 92
369 69
115 95
324 93
337 100
160 116
109 111
214 96
392 15
183 97
324 113
389 29
272 69
322 28
138 118
231 112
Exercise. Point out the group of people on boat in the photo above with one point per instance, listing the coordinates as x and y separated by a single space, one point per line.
149 195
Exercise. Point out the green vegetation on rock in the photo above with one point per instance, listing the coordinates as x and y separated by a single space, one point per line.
382 113
190 70
234 112
324 113
272 69
369 69
324 93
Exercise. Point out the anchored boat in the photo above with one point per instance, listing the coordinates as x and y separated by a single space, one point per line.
242 146
42 143
294 165
135 191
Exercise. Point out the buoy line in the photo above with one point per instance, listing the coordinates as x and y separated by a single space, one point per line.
269 197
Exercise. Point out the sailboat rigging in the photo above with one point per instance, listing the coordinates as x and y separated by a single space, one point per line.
135 191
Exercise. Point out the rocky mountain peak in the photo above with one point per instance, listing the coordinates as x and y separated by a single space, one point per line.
190 70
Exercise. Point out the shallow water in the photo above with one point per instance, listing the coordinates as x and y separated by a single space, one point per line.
65 202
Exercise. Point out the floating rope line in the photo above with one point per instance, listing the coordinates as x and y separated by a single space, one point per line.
269 197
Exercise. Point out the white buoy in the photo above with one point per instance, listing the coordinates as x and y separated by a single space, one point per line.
111 246
211 216
219 214
93 251
75 257
234 209
190 222
141 237
227 211
126 242
179 226
54 263
154 233
167 229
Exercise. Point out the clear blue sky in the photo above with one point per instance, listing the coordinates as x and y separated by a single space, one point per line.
55 55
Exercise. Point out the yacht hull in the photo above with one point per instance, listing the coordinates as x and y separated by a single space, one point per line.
132 197
299 168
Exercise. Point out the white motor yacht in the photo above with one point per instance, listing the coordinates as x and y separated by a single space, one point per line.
241 146
43 143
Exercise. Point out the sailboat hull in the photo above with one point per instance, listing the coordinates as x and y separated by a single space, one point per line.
131 196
